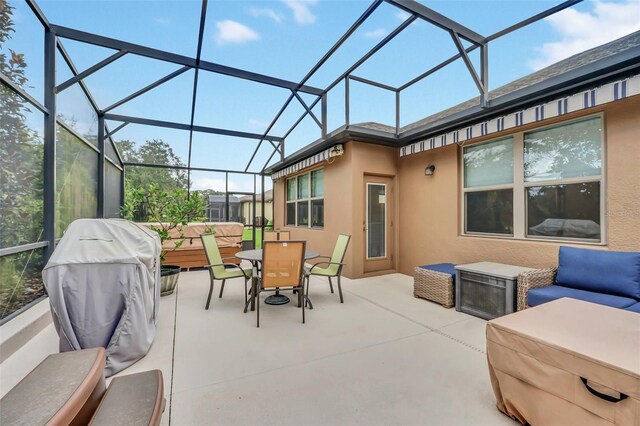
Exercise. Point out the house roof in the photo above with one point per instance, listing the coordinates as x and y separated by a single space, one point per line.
599 64
268 196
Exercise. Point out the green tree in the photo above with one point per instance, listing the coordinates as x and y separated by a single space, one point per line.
21 179
137 179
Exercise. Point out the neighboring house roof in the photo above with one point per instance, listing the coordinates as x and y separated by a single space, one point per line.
223 199
268 196
599 64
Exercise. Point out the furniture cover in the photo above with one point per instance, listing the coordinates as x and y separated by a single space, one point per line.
435 283
103 282
567 362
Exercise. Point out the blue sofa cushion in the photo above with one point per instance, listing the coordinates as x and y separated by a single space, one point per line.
633 308
538 296
445 268
610 272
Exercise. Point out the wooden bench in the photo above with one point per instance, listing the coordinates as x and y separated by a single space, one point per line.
69 389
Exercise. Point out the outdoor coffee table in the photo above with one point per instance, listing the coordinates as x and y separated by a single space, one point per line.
567 362
255 257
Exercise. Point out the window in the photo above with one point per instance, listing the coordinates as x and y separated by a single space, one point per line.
488 187
305 200
544 184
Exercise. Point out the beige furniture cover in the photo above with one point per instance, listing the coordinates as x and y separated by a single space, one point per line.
538 356
228 234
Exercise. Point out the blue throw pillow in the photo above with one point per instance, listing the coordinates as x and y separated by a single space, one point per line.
610 272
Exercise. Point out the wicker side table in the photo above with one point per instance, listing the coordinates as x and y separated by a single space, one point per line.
435 283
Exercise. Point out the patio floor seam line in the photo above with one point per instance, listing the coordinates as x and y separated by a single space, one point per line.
435 330
391 311
373 345
173 351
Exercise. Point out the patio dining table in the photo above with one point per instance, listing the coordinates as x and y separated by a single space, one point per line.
255 257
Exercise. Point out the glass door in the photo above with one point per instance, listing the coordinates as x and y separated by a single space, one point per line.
376 214
378 224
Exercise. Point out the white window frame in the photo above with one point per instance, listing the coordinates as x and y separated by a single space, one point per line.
519 186
295 201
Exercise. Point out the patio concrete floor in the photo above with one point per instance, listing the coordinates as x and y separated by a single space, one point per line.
382 357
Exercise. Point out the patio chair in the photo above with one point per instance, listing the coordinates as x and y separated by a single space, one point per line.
218 270
333 268
270 236
282 269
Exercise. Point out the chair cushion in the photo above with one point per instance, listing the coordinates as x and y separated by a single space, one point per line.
445 268
538 296
633 308
610 272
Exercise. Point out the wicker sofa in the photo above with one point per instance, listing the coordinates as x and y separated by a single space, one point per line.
604 277
191 254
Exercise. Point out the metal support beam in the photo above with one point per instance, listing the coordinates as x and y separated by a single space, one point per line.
306 107
472 70
437 19
22 93
269 159
101 165
86 73
346 101
273 122
373 51
181 126
226 196
161 55
372 83
323 109
304 114
194 96
397 112
484 74
197 169
533 19
147 88
49 166
492 37
114 131
38 13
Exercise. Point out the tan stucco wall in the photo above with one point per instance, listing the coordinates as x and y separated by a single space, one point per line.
430 208
427 209
344 201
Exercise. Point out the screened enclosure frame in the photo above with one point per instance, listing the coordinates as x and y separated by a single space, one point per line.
55 35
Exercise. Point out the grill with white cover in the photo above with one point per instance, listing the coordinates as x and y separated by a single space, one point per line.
103 281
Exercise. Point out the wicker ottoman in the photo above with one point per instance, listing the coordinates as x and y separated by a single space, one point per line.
435 283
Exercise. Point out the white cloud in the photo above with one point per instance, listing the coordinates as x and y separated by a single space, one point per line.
377 33
198 184
234 32
402 15
301 10
581 31
266 13
163 21
259 124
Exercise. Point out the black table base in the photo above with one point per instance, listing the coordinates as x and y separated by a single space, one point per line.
277 299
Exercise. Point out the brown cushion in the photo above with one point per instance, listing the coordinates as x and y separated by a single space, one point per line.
135 399
65 388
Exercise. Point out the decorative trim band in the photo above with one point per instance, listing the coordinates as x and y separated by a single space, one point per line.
606 93
307 162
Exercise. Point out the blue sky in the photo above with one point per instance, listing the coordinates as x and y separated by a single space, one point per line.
285 39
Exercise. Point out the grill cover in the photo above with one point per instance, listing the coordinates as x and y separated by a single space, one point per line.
103 281
538 359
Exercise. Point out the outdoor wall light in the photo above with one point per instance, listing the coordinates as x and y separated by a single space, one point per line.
429 170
